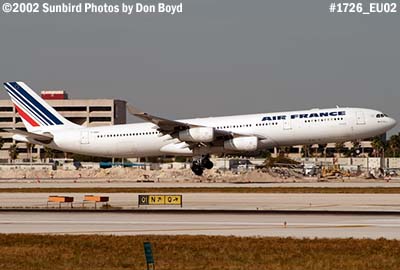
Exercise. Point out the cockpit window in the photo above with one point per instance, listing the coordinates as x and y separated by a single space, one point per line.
381 115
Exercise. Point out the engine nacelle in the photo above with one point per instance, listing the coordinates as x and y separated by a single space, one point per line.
242 144
198 134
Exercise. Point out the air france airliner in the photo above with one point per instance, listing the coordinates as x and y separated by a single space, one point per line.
198 137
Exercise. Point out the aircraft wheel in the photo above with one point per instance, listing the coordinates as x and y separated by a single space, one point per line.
197 170
208 164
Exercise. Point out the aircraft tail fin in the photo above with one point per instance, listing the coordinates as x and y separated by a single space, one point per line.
36 114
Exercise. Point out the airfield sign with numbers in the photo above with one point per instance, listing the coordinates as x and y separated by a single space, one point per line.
158 199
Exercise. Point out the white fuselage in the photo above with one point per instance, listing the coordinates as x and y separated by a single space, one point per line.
276 129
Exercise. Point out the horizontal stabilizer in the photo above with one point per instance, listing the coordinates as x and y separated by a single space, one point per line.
44 138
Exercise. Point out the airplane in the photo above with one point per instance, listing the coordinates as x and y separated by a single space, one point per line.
198 137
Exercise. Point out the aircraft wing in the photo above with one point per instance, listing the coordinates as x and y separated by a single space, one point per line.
172 127
165 126
44 138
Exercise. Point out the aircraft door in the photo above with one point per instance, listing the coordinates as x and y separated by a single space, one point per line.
360 118
84 137
287 124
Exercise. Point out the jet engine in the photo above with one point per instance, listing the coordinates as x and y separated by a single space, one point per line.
249 143
198 134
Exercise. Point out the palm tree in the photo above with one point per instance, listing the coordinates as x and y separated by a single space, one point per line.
1 142
306 150
339 147
48 152
316 151
284 151
355 146
378 145
13 151
29 147
394 144
323 147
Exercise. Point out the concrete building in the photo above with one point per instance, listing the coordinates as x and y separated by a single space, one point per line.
86 112
297 151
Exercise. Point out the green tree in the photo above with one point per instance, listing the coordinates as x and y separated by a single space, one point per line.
356 144
265 154
29 147
306 150
378 145
1 142
13 152
339 146
284 151
394 145
352 152
48 152
322 148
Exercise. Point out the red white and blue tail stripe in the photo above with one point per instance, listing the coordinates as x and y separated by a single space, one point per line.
34 111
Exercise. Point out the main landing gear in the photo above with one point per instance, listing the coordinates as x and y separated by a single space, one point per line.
199 164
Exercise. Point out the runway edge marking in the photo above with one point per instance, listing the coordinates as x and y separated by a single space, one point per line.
206 211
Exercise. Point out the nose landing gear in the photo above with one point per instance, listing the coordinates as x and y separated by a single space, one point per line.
199 164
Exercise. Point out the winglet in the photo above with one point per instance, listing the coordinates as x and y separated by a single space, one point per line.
134 111
145 116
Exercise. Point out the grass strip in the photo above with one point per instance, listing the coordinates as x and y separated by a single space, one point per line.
26 251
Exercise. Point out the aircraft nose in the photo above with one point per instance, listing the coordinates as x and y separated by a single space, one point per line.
392 122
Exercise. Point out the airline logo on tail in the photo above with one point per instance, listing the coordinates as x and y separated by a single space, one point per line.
30 107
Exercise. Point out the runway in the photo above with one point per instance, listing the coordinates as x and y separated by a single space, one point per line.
282 225
201 214
227 201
